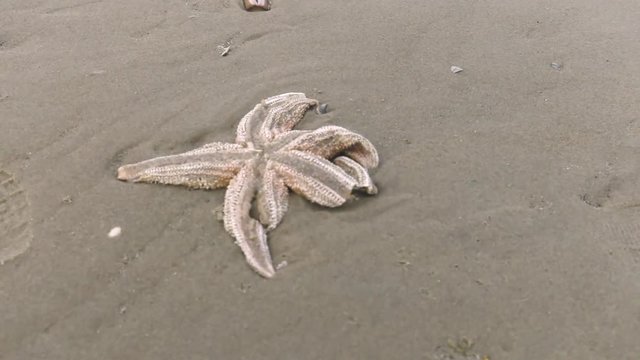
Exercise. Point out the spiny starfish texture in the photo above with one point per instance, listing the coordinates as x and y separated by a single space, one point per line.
267 159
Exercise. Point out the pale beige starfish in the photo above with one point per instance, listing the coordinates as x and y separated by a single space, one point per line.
268 157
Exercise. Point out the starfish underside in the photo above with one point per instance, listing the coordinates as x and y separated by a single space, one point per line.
267 159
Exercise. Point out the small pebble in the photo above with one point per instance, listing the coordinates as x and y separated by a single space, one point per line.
456 69
282 265
115 232
323 108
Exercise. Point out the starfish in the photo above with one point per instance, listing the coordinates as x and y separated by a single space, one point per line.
267 159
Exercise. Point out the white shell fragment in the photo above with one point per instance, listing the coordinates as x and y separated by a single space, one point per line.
115 232
224 49
456 69
251 5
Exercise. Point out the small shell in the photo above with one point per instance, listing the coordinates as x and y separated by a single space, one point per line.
115 232
456 69
557 65
251 5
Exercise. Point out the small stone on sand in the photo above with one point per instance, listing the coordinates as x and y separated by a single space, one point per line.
282 265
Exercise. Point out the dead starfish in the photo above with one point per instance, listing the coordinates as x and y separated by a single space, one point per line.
324 166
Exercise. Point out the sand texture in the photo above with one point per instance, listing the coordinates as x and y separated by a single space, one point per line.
509 204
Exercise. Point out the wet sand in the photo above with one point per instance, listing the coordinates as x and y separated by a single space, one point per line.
509 204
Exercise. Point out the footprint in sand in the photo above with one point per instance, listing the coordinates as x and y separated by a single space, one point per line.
619 191
600 190
619 195
628 236
15 229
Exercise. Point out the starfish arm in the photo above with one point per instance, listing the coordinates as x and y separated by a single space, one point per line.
315 178
330 141
208 167
272 199
358 172
284 112
250 124
250 235
273 116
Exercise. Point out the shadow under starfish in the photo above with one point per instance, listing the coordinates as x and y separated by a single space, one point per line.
267 159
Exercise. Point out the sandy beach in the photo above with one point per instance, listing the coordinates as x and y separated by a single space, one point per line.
508 217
